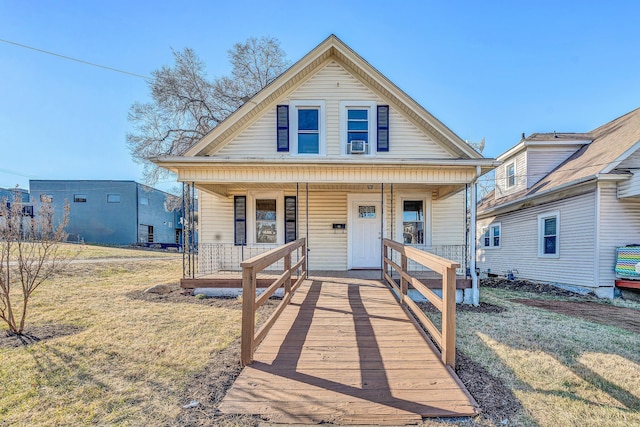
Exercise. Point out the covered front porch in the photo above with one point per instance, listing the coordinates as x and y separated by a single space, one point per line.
344 225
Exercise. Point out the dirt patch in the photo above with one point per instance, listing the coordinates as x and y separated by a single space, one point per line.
483 307
176 295
606 314
209 387
36 334
528 286
497 402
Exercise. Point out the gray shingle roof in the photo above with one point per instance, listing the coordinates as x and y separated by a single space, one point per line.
610 143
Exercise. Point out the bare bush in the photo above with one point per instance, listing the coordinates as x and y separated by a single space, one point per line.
29 255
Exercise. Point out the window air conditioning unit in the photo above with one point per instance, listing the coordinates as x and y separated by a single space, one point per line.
358 147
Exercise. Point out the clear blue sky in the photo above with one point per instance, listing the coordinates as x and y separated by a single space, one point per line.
486 69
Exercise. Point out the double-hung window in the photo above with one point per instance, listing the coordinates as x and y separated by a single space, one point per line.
413 222
358 130
358 127
491 236
413 219
510 174
265 218
548 235
307 128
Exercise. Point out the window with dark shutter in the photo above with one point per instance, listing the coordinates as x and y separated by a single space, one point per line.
240 220
383 128
290 229
283 127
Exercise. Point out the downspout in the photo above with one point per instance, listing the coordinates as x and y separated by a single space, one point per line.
474 298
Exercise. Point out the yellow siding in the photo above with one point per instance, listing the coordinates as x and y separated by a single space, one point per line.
448 220
328 247
332 84
215 218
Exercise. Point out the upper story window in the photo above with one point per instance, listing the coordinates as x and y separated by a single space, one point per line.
548 235
46 198
491 236
144 200
307 128
79 198
113 198
358 127
510 174
357 130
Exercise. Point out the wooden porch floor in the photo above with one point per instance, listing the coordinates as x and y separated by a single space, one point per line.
344 351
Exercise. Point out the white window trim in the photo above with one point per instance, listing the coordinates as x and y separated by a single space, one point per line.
506 174
426 203
541 219
490 227
372 106
251 215
293 126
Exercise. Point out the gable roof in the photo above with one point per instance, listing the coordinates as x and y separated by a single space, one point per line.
332 49
611 144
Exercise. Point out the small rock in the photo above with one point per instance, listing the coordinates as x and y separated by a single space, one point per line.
158 289
191 404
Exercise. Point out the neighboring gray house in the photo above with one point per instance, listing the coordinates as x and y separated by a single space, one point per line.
562 204
111 212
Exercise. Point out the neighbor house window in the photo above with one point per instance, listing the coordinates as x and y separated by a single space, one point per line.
46 198
79 198
413 222
144 200
510 174
491 236
358 131
307 129
548 233
113 198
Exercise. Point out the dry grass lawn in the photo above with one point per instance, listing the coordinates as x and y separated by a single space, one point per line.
132 360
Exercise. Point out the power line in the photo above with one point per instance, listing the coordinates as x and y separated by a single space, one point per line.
93 64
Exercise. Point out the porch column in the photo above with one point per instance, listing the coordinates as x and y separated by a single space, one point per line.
474 298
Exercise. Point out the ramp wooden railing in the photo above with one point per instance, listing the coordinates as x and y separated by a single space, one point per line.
251 302
446 339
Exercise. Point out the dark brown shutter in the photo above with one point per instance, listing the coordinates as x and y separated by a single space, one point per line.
240 220
283 127
383 128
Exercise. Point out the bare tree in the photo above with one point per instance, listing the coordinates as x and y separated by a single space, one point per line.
29 255
185 105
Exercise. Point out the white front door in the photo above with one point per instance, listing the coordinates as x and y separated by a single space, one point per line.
365 233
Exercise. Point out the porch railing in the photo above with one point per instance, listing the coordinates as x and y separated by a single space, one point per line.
251 302
446 338
220 257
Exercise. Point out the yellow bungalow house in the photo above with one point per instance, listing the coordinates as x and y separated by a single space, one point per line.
334 152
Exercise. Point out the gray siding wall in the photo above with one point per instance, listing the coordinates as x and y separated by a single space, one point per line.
156 215
520 160
542 160
98 221
519 243
619 226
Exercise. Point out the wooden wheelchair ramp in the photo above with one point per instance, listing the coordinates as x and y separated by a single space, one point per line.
344 351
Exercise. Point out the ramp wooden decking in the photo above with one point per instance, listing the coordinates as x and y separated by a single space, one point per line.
344 351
